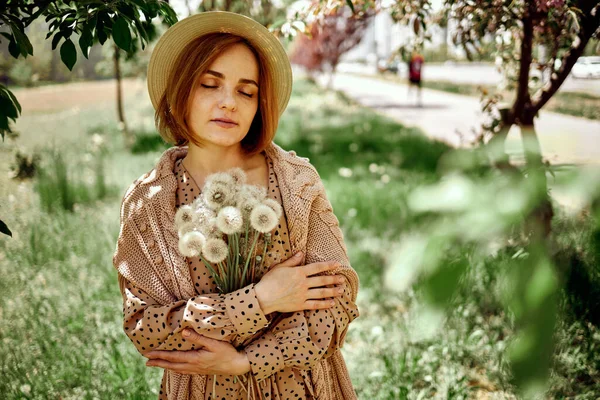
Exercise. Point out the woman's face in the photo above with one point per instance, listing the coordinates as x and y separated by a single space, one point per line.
228 91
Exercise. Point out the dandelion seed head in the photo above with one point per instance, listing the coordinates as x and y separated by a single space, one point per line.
217 195
183 215
215 250
220 178
187 227
263 218
273 205
238 175
229 220
247 205
251 191
191 244
211 230
203 215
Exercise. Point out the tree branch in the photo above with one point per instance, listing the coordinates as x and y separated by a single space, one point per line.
523 97
589 25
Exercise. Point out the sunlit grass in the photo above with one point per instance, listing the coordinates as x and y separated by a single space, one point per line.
60 309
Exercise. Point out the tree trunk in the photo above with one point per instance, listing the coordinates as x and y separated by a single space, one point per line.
127 136
539 221
495 145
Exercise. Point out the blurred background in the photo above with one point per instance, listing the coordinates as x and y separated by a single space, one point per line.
457 140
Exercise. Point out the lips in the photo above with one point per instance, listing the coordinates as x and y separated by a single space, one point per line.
225 120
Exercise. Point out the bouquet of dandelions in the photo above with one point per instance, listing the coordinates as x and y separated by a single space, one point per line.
226 226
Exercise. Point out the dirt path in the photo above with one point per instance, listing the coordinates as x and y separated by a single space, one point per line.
53 98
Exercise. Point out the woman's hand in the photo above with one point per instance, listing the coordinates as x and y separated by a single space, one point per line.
216 358
288 288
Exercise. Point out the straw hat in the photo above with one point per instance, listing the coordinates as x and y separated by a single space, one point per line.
177 37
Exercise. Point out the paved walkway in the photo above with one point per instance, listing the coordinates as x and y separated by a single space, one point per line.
445 116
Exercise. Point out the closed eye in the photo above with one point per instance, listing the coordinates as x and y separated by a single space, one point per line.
212 87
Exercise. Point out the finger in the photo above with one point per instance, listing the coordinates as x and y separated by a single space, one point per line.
318 304
320 267
325 293
196 338
172 356
291 262
178 367
323 280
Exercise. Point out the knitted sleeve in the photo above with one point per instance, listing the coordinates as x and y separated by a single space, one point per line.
303 338
152 325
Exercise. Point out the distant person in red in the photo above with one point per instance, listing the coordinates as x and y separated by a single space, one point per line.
415 67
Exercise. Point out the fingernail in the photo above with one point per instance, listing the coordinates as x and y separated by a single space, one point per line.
298 254
186 333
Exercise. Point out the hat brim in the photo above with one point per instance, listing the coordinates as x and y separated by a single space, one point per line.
178 36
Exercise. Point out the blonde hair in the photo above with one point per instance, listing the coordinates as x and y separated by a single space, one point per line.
192 63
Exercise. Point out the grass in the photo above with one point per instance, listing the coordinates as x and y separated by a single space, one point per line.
60 313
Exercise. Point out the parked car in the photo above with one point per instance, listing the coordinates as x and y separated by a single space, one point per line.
586 67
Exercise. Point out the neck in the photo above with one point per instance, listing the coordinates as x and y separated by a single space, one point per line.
207 160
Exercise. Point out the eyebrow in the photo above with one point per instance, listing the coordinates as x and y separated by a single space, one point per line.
220 75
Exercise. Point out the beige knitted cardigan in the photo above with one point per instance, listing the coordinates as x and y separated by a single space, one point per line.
147 253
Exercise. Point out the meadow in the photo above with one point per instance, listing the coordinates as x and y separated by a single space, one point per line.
60 309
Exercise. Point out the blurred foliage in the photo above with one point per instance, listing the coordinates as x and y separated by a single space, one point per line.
93 21
146 142
63 185
326 42
63 260
25 165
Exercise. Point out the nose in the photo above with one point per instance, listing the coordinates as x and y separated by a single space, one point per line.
228 101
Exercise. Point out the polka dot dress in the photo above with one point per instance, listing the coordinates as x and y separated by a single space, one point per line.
283 348
286 383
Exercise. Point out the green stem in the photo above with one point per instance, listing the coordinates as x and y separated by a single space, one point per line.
248 259
218 280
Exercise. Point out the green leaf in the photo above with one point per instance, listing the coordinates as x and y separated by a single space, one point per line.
121 34
13 49
14 100
68 54
7 106
6 35
3 228
100 33
3 124
127 10
441 285
169 16
22 41
85 40
349 2
56 39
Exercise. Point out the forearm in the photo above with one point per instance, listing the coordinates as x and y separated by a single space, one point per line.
158 327
301 339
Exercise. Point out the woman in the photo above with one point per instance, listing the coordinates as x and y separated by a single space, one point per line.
219 82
